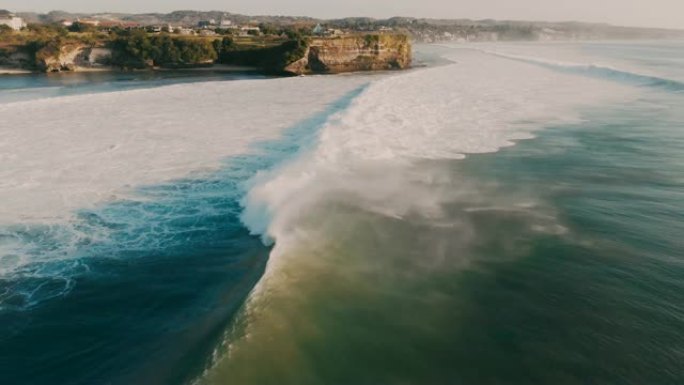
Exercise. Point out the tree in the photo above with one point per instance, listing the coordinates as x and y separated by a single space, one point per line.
137 49
268 29
77 26
133 49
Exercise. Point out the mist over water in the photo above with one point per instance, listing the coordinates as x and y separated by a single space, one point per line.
497 218
525 266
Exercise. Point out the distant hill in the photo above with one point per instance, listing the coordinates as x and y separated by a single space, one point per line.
181 18
426 30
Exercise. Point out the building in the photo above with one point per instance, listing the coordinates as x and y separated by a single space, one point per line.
206 23
185 31
207 32
318 30
92 22
9 19
249 30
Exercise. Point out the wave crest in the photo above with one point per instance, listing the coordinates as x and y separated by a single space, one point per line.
600 71
365 154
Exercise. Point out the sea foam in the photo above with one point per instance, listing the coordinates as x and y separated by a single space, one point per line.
479 104
386 162
634 76
63 154
78 172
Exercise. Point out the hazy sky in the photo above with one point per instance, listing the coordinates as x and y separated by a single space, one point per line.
665 13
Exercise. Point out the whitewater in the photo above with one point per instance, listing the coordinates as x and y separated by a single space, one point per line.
478 104
350 184
62 155
370 160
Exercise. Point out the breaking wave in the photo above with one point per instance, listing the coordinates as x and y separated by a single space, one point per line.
124 188
599 71
385 159
478 105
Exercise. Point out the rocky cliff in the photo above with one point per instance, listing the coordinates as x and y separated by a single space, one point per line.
55 57
354 53
309 55
73 57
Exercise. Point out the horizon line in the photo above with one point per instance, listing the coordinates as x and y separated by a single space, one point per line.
357 16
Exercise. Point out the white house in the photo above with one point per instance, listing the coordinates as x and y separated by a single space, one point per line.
247 30
318 30
92 22
9 19
185 31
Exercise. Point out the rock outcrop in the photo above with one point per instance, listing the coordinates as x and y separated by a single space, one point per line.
354 53
73 57
317 55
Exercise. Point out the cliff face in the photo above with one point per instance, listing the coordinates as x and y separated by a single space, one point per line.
354 53
318 55
55 56
72 57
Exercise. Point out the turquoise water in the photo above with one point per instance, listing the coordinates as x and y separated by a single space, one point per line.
602 302
147 303
562 263
558 260
29 87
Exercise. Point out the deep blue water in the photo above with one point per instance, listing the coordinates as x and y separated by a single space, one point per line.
557 261
146 303
602 303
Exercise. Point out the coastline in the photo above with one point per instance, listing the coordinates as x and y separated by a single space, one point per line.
313 55
8 71
209 68
507 249
14 71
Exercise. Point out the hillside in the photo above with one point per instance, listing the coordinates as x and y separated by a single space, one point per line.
424 30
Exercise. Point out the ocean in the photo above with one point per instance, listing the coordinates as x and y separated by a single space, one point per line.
509 214
38 86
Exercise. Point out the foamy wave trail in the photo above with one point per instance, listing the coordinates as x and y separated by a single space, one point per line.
476 106
599 71
135 288
70 182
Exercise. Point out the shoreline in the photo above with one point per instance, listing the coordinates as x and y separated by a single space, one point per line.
9 71
14 71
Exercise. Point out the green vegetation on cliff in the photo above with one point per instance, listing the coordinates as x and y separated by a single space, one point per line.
137 49
52 48
269 58
40 43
